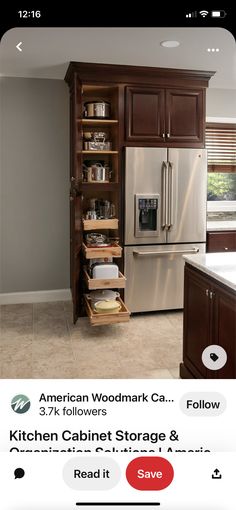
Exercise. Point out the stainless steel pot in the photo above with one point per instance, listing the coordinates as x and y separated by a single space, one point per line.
97 146
97 109
103 295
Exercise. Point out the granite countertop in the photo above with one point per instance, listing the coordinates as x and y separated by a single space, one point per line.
220 266
221 225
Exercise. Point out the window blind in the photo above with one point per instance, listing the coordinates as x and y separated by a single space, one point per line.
221 147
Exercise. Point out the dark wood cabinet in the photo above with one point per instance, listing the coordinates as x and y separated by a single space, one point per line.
196 332
221 241
145 114
209 319
184 118
150 107
224 328
170 117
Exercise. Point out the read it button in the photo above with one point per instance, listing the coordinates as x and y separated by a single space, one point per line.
149 473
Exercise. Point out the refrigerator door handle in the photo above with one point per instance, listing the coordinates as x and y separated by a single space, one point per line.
170 222
164 222
166 252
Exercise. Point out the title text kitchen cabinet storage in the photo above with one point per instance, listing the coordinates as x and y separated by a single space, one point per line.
209 319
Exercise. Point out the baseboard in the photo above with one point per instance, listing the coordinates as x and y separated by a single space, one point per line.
41 296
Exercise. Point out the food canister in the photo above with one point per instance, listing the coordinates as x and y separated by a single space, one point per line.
97 109
107 306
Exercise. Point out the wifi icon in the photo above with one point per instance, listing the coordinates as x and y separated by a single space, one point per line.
204 13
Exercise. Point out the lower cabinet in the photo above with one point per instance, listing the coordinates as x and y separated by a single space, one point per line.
221 241
209 319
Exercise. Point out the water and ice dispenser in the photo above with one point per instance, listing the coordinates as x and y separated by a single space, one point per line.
146 215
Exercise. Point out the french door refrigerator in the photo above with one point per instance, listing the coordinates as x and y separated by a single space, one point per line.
165 218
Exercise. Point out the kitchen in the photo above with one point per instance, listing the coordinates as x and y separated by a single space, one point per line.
165 218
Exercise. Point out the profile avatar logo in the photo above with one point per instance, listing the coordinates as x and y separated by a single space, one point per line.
20 404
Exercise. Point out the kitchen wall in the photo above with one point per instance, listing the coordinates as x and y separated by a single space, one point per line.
34 176
221 103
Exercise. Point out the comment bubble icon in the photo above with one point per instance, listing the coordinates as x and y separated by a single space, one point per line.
19 473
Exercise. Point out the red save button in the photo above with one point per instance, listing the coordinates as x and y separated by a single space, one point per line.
149 473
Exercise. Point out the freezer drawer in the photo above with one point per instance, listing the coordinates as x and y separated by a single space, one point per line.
155 276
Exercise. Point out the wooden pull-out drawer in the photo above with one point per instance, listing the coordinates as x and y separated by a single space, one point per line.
101 253
102 283
100 319
100 224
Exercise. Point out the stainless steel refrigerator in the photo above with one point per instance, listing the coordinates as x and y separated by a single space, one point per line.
165 218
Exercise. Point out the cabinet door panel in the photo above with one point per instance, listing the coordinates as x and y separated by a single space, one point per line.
184 116
144 114
221 241
224 329
196 322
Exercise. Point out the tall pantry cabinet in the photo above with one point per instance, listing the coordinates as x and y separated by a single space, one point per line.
149 107
85 89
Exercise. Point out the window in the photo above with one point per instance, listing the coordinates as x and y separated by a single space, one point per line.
221 159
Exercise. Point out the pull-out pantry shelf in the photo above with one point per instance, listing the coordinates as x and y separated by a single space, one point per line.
102 253
102 283
100 319
100 224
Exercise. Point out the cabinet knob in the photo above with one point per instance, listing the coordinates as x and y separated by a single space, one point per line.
211 294
207 292
225 248
163 135
168 135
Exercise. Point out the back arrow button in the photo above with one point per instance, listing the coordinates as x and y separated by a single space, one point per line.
18 46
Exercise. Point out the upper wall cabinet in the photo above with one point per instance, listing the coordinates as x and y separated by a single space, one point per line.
185 116
173 117
145 114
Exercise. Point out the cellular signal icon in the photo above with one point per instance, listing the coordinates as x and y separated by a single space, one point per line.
203 13
191 14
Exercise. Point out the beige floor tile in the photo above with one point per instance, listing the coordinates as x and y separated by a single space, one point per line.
47 311
53 353
147 374
15 329
175 372
57 370
51 329
18 370
16 349
149 346
96 372
19 310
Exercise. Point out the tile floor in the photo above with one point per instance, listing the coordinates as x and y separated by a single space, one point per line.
40 341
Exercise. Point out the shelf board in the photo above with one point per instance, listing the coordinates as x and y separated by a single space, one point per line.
98 152
102 253
99 319
100 224
104 283
105 186
98 121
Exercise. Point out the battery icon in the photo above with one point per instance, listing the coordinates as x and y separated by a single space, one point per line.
218 14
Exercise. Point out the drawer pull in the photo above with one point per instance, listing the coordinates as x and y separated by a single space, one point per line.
166 252
225 248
